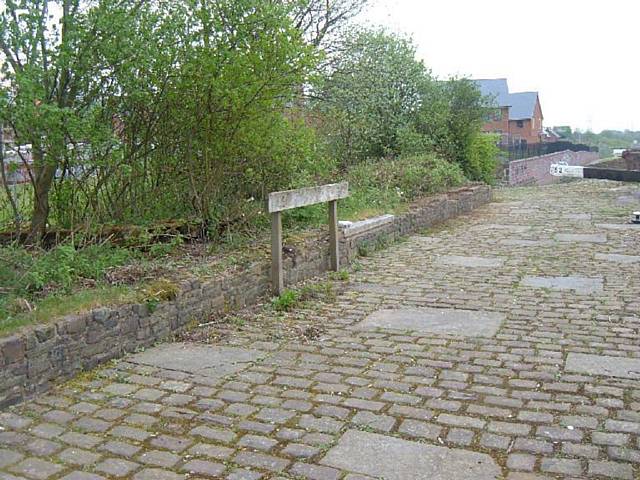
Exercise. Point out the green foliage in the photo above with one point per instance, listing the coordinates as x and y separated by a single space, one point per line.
371 94
451 117
286 301
483 157
380 101
30 277
25 273
342 275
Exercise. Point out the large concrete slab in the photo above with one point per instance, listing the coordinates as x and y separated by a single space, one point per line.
447 321
471 262
603 365
206 360
392 458
377 288
628 200
578 284
577 216
582 237
617 258
516 242
619 226
499 227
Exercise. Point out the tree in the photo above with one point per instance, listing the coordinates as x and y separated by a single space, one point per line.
450 117
60 84
372 94
131 107
320 20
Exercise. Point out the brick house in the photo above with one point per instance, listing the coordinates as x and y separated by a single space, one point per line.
518 118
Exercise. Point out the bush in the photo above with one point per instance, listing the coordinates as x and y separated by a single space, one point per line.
483 158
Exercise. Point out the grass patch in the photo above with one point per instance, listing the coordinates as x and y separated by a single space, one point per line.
286 301
59 305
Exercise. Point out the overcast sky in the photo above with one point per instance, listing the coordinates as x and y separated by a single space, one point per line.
583 57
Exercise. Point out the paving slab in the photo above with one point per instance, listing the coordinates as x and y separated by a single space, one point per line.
471 262
447 321
517 242
619 226
206 360
501 227
582 237
577 216
578 284
617 258
377 288
391 458
609 366
628 200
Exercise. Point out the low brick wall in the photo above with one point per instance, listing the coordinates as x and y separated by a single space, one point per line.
32 360
535 170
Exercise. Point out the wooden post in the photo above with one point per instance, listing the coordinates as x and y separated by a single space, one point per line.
277 279
288 199
333 235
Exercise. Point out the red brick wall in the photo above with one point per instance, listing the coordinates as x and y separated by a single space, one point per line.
535 170
502 124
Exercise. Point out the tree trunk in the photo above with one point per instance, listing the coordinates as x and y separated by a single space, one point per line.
44 173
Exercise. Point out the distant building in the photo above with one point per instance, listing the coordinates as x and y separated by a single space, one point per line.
549 135
617 152
518 119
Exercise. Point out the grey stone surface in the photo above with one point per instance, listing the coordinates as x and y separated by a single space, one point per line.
623 367
206 360
471 262
582 237
618 258
377 288
395 459
436 320
518 242
577 216
619 226
578 284
502 228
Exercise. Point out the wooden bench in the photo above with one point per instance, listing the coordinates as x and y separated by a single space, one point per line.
286 200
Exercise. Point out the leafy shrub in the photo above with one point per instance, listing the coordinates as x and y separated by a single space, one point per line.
286 301
483 158
28 272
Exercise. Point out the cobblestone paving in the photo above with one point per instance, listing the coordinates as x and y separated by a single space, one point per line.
554 392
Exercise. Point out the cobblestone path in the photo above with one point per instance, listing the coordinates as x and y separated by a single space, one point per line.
504 345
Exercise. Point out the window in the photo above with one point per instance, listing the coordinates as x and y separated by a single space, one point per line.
520 123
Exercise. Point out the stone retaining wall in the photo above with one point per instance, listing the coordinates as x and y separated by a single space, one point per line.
535 170
33 359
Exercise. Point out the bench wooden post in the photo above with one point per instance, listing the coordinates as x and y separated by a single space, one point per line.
279 201
333 235
277 276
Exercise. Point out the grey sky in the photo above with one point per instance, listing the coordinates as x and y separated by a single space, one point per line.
582 56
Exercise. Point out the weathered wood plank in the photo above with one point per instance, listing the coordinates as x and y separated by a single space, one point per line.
288 199
277 275
333 235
